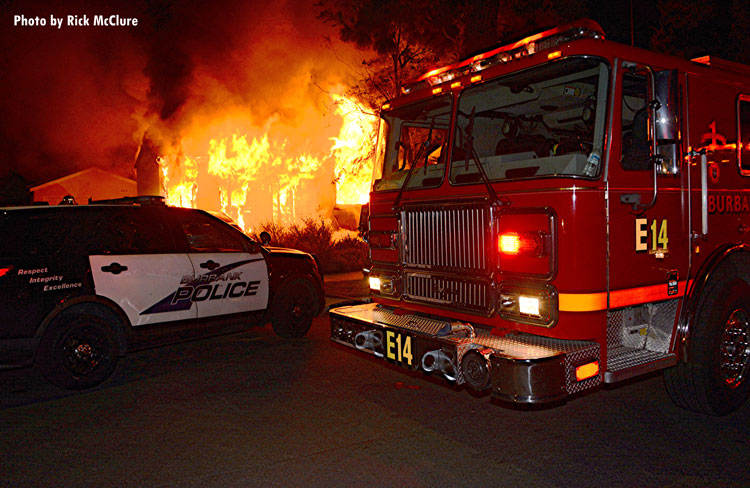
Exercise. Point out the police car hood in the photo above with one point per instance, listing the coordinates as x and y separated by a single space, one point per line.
285 250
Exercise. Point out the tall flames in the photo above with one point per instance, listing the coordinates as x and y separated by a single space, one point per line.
280 172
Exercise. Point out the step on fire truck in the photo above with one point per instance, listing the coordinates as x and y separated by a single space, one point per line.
562 212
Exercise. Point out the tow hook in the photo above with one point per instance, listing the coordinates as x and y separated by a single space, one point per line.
437 360
370 340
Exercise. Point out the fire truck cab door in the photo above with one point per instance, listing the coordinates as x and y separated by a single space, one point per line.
648 228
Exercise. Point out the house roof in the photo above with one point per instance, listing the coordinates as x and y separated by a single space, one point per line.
98 172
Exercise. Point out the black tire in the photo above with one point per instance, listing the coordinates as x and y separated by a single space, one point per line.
293 309
716 378
78 351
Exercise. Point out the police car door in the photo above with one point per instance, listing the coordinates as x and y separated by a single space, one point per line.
139 266
230 272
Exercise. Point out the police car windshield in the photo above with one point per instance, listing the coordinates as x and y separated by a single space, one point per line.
545 121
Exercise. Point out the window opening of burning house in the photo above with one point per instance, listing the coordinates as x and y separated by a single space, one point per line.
545 121
414 138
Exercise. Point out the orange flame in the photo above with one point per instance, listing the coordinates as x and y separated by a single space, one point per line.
354 149
255 176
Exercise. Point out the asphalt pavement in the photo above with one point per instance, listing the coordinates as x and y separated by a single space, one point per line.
250 409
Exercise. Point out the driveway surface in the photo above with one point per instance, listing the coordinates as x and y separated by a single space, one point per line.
250 409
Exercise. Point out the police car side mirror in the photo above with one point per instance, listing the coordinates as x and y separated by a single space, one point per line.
265 238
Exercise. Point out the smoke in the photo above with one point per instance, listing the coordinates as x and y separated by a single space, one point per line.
82 96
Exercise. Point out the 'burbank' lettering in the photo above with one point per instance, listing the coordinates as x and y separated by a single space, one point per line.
724 204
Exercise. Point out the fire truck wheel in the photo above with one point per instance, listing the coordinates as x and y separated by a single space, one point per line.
78 351
293 309
716 379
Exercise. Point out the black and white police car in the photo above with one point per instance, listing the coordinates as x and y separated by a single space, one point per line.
80 285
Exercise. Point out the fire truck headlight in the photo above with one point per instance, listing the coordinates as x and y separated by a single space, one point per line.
382 284
529 303
374 283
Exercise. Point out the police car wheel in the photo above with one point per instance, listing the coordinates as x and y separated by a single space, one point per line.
78 351
292 310
716 379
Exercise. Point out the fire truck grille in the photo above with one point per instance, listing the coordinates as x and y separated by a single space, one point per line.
447 238
445 255
473 295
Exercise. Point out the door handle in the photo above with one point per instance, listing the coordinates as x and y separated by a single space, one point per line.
210 265
114 268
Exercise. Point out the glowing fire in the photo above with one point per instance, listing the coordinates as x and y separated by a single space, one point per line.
354 149
254 175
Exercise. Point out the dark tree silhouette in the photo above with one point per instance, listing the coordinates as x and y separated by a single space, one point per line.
14 189
406 38
688 29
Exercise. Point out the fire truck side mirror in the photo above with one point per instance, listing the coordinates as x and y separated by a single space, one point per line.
364 216
666 122
667 111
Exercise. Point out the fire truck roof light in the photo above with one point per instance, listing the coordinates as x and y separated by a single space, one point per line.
437 90
554 55
584 28
476 78
586 371
456 84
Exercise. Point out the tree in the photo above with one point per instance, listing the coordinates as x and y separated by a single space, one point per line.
14 189
407 38
689 29
677 20
518 18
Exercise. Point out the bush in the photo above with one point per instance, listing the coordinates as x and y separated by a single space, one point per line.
316 237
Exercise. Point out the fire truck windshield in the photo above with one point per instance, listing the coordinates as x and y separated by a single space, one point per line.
415 139
544 121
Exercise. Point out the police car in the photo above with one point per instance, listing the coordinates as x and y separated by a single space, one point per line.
81 285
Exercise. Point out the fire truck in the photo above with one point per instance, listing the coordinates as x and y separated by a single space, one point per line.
562 212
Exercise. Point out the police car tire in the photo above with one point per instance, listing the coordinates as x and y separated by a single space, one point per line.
699 384
78 351
292 310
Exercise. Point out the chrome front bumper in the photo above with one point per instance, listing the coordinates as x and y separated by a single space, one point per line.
521 368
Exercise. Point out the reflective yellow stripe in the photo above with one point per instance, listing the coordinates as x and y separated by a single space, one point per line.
582 302
592 302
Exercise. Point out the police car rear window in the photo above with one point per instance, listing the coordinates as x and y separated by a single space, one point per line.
45 233
82 230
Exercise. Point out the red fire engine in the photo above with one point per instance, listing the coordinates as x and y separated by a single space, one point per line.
561 212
